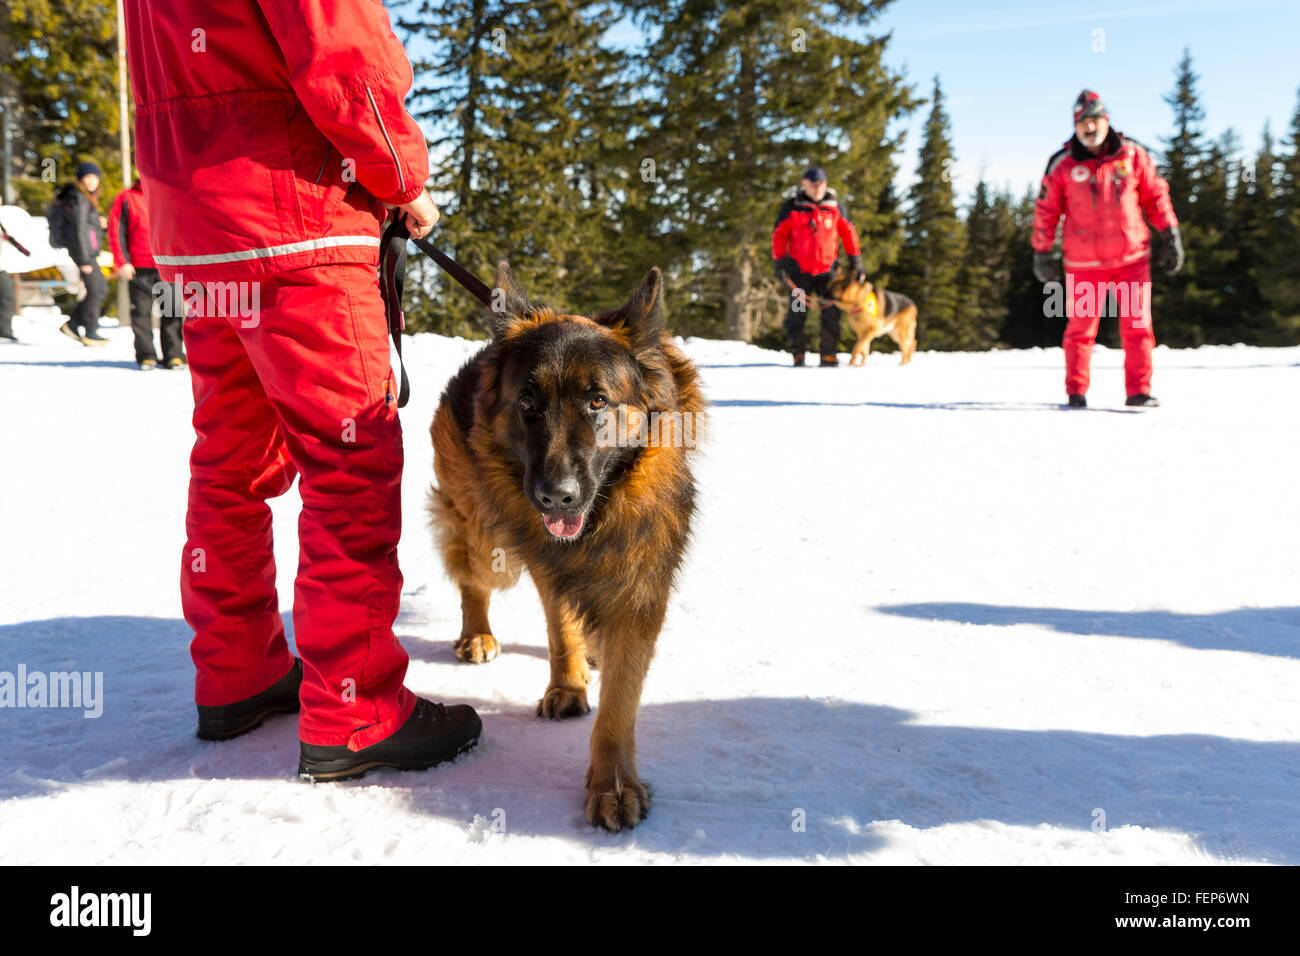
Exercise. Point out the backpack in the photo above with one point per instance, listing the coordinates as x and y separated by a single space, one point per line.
62 218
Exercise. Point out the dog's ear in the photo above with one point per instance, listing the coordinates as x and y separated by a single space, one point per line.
508 300
641 317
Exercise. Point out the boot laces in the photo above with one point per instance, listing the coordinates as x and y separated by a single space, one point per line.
429 710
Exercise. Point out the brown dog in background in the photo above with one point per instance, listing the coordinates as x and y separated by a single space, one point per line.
563 447
874 312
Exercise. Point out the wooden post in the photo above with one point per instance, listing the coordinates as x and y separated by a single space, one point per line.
124 123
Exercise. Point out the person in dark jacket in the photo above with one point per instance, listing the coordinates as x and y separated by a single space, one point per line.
805 244
128 235
85 240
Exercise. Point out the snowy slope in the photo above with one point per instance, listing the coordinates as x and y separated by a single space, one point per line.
938 614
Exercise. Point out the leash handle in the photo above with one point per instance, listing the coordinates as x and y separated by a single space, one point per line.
392 277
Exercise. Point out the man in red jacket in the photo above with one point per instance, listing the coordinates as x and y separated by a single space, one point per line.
271 135
128 235
805 244
1107 188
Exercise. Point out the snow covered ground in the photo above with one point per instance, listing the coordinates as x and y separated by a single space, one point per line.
929 613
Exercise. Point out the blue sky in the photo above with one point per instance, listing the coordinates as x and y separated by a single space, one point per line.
1010 70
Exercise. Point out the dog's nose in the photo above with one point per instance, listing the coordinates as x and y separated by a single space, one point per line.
559 494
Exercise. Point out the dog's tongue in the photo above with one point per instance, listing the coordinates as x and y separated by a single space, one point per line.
563 526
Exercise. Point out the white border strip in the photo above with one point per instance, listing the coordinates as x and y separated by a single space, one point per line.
268 252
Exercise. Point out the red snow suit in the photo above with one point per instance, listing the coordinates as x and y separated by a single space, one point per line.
810 233
128 229
1128 291
269 132
1103 199
1107 201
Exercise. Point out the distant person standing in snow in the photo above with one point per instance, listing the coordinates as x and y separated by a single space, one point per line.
805 245
1107 188
8 290
128 234
7 306
267 160
85 238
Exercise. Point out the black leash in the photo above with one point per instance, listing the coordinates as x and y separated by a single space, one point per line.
392 276
5 237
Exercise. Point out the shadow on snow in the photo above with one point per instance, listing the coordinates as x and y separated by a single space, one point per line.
731 773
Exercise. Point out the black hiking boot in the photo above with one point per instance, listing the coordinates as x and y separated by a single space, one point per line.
1078 401
433 734
1142 401
231 720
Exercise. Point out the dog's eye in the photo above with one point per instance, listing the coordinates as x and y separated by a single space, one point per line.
599 402
527 405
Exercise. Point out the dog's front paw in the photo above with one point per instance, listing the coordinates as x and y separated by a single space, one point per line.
561 702
618 801
477 648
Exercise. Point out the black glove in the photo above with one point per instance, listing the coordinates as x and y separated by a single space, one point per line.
1171 251
785 268
1047 268
855 269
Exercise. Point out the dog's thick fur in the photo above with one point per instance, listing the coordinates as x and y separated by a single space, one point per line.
520 420
894 314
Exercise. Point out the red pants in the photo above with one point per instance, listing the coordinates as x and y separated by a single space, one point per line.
1086 294
301 385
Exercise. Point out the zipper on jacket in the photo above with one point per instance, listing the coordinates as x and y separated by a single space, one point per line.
401 179
323 161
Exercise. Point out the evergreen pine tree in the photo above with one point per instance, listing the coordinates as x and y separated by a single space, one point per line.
1212 298
1177 304
1279 278
930 262
1025 325
62 70
536 152
747 96
984 275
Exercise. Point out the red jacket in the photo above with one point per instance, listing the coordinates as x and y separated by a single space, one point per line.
1104 199
128 229
269 131
810 233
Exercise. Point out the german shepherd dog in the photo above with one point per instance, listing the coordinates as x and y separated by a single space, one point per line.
543 460
874 312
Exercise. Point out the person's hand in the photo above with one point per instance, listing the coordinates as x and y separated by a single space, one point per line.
87 269
126 272
103 222
1047 268
856 272
783 268
1171 250
420 215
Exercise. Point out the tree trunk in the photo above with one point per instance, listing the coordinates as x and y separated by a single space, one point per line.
740 309
469 112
